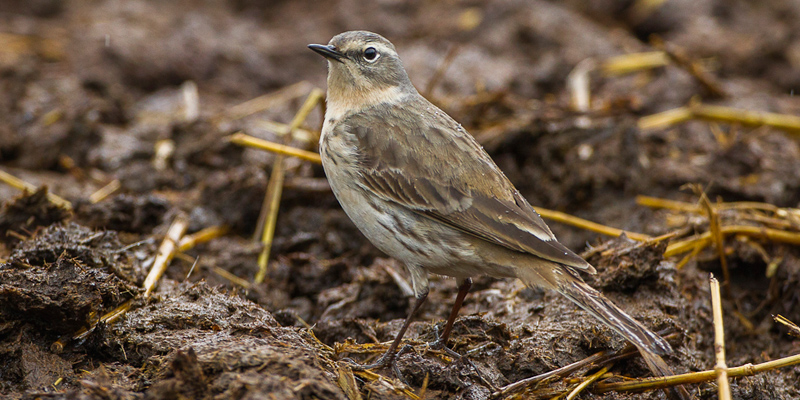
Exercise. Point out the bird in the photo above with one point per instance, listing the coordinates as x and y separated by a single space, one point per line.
425 192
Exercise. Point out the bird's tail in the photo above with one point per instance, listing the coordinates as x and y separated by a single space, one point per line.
649 343
585 296
567 282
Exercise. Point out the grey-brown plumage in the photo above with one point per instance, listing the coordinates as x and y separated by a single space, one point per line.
426 193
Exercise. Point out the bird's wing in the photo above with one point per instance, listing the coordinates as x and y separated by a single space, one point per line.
438 170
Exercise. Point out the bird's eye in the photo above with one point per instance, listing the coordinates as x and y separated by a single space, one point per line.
371 55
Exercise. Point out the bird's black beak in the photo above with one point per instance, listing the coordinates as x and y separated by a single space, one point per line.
328 52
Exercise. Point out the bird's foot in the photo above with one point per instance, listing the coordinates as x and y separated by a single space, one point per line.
387 360
441 344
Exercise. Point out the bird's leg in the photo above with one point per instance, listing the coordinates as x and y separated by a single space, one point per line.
388 357
441 341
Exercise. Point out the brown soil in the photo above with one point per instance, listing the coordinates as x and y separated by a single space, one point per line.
87 89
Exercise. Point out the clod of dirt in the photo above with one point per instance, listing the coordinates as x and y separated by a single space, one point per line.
138 214
627 266
206 340
186 379
236 195
25 214
27 362
64 279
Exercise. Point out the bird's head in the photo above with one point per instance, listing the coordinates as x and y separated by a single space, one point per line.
363 69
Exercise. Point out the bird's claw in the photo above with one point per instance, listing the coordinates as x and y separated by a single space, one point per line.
441 344
387 360
384 361
438 343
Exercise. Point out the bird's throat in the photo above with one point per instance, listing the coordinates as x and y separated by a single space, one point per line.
342 102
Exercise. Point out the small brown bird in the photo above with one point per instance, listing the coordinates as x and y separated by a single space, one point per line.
425 192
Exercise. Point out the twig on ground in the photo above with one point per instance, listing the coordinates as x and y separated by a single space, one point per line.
268 218
588 381
204 235
191 101
692 254
588 225
579 85
164 149
19 184
109 318
275 187
347 381
723 386
785 122
105 191
232 278
682 60
794 330
760 213
719 239
694 377
424 387
247 140
633 62
703 239
165 253
665 118
655 202
16 44
598 359
191 269
534 380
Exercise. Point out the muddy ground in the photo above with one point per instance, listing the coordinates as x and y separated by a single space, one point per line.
88 89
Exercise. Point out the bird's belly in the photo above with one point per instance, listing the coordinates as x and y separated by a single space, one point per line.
401 233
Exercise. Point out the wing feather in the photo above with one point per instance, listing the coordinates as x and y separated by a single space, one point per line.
441 172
